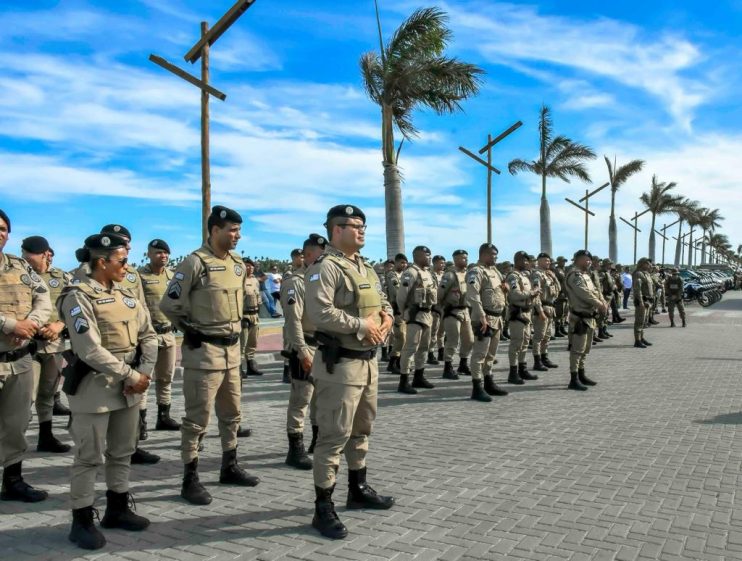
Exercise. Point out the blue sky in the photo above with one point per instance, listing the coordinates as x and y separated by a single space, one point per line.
94 133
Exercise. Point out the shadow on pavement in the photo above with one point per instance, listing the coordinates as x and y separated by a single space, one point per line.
724 419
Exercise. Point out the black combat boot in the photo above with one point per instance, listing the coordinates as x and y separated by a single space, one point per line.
83 531
513 377
419 380
143 434
506 332
120 513
404 385
244 432
645 342
524 373
672 321
448 372
464 367
362 495
574 382
141 456
325 518
606 334
478 393
639 345
440 354
584 380
164 420
48 442
538 364
491 388
192 490
396 364
313 443
385 353
297 456
252 368
243 372
684 324
431 359
546 361
60 409
15 489
232 474
286 374
558 329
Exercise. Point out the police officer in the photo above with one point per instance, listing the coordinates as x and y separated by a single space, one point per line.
111 333
456 318
204 301
600 321
250 320
674 296
522 298
415 299
400 327
560 305
486 297
345 303
24 308
301 344
642 289
435 348
155 277
585 303
542 276
47 363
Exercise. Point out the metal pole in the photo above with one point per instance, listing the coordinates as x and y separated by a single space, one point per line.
587 208
489 189
205 164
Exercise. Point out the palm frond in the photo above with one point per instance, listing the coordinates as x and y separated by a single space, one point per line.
424 33
521 165
622 174
372 72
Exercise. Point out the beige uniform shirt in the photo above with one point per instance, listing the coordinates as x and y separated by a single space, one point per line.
550 288
296 324
520 296
392 285
56 280
417 295
105 327
452 293
584 298
485 295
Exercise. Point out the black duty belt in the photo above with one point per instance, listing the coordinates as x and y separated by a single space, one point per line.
550 304
310 341
163 329
584 315
421 309
251 310
357 355
227 341
12 356
493 312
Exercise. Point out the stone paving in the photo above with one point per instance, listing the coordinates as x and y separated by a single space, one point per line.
644 466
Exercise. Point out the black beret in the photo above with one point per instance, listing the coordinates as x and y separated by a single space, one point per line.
389 262
227 214
486 246
82 255
159 244
5 219
105 241
248 261
315 240
521 255
117 229
400 257
561 259
643 260
295 252
460 252
421 248
438 258
51 251
582 253
595 257
345 211
543 255
35 245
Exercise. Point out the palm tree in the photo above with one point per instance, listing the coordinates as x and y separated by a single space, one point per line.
659 200
719 244
559 157
411 71
709 221
617 176
686 208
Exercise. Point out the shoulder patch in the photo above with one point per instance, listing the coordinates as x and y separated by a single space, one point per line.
76 311
174 290
25 279
314 277
34 277
81 325
130 302
291 301
179 276
54 283
238 270
131 277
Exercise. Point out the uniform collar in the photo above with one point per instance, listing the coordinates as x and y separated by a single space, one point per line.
98 287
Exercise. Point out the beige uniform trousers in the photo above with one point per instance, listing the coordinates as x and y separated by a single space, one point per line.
581 344
301 397
641 313
520 334
484 352
16 396
457 332
672 304
416 346
109 438
46 369
202 390
249 338
436 334
345 416
399 333
163 372
541 335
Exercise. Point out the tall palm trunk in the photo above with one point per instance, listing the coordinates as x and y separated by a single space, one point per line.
613 231
690 248
545 219
652 240
392 188
703 248
678 244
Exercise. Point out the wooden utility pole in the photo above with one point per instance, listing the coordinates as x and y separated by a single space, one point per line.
586 209
205 151
490 168
664 237
635 220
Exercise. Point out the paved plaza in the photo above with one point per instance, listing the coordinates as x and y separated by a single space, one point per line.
644 466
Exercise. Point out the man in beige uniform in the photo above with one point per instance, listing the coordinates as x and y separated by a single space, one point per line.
155 277
544 278
345 303
643 291
250 320
435 347
24 308
522 298
300 344
456 319
416 297
47 363
585 303
399 331
486 296
115 348
674 296
204 301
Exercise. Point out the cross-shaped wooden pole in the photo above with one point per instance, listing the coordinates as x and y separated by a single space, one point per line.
586 208
683 243
664 237
635 220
